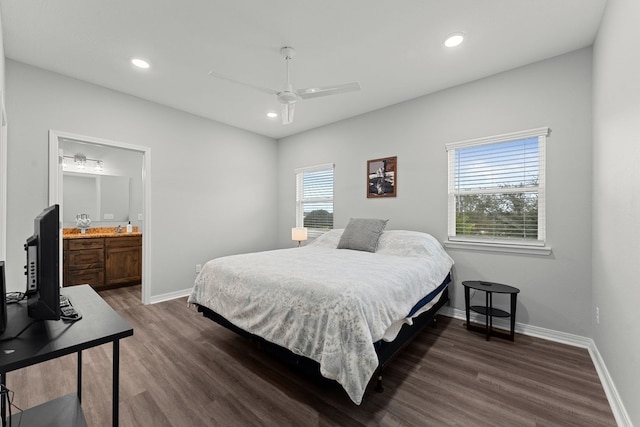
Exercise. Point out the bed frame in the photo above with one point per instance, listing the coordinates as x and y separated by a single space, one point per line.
386 351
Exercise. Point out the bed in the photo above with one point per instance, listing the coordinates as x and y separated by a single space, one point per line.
343 309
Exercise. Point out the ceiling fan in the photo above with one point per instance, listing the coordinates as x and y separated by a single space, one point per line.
289 96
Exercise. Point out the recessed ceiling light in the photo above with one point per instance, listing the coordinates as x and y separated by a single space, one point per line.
272 114
140 63
453 40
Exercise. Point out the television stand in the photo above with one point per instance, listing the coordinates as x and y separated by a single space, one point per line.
49 339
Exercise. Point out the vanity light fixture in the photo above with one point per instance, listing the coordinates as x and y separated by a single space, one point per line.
80 163
140 63
454 39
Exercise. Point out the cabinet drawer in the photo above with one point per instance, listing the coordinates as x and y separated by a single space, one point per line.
123 242
90 258
81 244
93 277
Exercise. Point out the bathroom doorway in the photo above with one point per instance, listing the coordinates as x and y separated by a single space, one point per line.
115 178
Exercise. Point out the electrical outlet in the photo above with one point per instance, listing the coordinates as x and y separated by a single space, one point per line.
139 217
598 315
198 268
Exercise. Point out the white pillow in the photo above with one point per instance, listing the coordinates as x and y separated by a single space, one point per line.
329 239
408 243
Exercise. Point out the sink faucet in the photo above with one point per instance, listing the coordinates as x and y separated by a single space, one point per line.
119 229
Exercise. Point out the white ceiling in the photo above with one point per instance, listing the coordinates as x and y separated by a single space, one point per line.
393 48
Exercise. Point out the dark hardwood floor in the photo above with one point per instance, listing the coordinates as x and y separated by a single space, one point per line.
181 369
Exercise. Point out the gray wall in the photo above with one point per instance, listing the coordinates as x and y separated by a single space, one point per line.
556 289
616 198
208 180
2 60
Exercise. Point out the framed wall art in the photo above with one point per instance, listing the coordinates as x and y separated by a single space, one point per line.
382 177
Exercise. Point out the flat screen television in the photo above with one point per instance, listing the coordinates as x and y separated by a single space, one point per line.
43 266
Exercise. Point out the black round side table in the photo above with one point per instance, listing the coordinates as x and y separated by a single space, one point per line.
488 310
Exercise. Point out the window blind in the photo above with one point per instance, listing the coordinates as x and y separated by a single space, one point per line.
314 198
496 188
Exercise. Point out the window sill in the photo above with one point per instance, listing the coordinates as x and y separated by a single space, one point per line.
497 247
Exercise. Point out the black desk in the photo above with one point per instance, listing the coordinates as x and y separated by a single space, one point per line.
488 310
46 340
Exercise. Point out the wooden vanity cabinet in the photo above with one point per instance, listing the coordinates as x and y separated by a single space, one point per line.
123 260
103 262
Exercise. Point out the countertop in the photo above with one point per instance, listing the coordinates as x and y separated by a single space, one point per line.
75 233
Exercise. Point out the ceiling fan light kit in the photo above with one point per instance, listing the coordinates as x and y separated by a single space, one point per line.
287 52
287 113
289 96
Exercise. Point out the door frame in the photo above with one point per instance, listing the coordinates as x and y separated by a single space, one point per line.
55 192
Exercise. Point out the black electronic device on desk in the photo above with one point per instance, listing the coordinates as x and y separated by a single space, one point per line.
43 266
67 310
42 271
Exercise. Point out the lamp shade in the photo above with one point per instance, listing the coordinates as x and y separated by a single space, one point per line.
299 233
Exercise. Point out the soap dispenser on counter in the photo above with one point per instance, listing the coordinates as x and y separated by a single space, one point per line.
129 227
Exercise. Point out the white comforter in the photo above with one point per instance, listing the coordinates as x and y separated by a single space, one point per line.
327 304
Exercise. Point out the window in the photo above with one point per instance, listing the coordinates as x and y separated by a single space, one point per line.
314 199
497 191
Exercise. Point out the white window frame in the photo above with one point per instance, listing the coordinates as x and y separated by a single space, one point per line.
300 200
533 247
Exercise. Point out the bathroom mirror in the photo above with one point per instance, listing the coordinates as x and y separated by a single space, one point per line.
104 197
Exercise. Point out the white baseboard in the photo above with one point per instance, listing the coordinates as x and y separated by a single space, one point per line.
171 295
617 407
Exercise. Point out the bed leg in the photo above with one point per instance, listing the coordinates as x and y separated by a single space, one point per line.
434 323
379 387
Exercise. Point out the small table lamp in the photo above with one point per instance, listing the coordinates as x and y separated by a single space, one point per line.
299 234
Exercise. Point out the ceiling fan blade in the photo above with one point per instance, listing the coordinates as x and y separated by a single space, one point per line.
287 113
314 92
232 80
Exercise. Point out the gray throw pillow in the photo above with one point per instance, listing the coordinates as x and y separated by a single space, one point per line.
362 234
